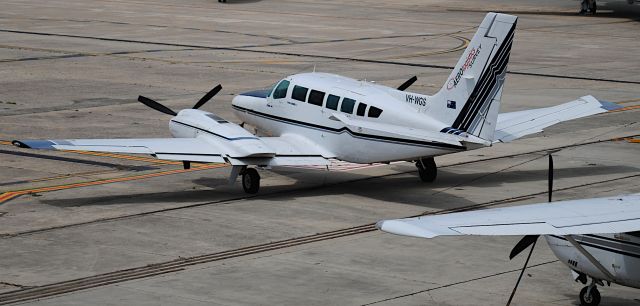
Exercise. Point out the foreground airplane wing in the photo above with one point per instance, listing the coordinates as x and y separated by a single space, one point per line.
268 151
587 216
514 125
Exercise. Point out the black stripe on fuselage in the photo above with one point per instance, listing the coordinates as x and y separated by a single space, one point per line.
597 246
352 133
487 81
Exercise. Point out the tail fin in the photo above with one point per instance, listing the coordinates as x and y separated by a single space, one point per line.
470 99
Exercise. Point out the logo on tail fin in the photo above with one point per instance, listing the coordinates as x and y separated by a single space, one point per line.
471 58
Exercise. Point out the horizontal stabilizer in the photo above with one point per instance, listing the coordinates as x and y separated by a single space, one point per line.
514 125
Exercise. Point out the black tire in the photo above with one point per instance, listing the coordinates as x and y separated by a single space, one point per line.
593 299
427 170
251 181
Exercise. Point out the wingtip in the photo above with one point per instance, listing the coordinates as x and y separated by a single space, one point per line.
34 144
609 106
399 227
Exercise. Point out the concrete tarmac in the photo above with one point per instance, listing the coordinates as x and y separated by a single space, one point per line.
74 222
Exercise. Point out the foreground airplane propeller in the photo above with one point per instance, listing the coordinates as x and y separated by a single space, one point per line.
313 118
569 228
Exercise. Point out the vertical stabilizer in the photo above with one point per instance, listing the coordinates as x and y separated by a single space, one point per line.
470 99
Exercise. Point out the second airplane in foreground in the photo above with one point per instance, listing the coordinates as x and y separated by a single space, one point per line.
315 117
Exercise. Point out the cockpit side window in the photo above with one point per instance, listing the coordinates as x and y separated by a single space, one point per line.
332 102
374 112
316 97
281 90
299 93
362 108
347 105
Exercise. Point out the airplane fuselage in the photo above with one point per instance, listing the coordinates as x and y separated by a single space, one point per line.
618 253
306 108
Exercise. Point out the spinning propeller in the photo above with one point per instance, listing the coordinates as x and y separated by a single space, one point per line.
161 108
529 240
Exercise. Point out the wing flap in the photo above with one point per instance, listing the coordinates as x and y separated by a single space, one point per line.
588 216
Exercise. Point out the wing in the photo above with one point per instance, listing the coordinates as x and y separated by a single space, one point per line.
514 125
266 151
588 216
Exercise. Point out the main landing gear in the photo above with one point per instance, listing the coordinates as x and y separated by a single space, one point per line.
222 1
589 295
427 169
250 180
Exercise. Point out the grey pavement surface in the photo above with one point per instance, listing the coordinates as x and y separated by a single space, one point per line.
73 69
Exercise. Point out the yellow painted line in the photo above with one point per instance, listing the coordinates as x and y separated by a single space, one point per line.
625 109
12 194
627 101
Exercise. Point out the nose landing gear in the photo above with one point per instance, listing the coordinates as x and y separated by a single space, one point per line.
589 295
427 169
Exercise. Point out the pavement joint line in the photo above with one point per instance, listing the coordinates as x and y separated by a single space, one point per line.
458 283
332 57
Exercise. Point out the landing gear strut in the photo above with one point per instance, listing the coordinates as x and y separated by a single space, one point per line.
589 295
427 169
250 181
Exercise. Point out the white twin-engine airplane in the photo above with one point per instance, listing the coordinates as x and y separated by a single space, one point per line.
315 117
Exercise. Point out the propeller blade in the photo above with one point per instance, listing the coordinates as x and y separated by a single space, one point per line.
526 262
550 178
157 106
407 83
208 96
523 244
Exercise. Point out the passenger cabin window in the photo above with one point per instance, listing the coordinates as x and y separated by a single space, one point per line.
316 97
281 90
217 119
361 109
299 93
374 112
332 102
347 105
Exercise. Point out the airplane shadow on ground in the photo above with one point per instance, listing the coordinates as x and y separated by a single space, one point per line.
401 188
